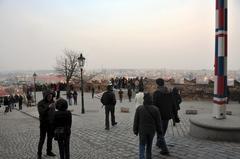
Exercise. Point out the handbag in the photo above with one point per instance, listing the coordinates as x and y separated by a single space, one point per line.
59 133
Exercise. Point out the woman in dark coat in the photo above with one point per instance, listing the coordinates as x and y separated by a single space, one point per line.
63 119
177 100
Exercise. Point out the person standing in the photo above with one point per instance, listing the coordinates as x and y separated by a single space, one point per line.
63 119
139 97
45 110
163 100
20 100
75 95
146 123
120 93
108 99
93 91
129 94
177 100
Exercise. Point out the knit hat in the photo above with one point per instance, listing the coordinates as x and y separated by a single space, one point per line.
61 104
160 82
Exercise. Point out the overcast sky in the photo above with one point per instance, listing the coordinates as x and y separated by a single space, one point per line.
174 34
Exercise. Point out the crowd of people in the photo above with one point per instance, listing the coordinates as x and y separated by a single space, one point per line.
152 115
11 101
153 112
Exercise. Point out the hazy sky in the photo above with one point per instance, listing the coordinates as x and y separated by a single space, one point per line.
174 34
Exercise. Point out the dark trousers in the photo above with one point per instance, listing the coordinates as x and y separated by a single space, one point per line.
145 140
161 137
109 108
121 98
75 101
20 105
45 129
64 148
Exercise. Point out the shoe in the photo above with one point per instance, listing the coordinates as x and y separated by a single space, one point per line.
114 124
107 128
51 154
165 153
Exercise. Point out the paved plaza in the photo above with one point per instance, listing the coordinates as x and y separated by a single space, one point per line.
19 134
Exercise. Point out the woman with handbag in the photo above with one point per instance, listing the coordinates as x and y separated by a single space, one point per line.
62 123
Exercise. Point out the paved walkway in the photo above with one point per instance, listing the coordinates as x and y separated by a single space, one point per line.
19 133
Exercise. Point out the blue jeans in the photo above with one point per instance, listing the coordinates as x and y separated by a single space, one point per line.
145 140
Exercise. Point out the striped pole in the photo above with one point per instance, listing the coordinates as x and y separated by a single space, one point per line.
220 82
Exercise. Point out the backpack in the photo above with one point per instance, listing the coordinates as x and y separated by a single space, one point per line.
104 99
59 133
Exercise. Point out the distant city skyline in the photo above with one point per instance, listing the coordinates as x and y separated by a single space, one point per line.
114 34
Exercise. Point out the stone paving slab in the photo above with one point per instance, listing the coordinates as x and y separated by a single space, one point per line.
19 135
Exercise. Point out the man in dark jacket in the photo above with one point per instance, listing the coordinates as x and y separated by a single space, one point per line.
45 110
146 123
163 99
109 101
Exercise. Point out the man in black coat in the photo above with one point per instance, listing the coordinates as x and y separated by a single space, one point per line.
109 101
163 99
46 110
146 123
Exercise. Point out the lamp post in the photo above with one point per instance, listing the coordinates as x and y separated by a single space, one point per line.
81 61
34 81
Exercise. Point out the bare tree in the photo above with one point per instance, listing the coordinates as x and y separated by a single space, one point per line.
67 65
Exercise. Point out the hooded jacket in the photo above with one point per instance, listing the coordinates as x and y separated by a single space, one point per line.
44 110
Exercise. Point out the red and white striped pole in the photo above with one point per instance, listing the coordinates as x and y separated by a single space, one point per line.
220 83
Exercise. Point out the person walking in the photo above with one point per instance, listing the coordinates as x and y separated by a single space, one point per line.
63 120
146 123
139 97
162 99
108 99
45 110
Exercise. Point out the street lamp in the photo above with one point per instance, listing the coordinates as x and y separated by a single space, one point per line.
81 61
34 80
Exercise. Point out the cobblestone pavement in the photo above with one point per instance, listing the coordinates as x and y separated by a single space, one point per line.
19 133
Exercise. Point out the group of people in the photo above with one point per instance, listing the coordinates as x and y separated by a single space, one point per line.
10 102
55 122
72 97
153 112
152 115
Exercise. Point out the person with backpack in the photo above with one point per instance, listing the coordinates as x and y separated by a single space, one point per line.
146 123
62 122
108 99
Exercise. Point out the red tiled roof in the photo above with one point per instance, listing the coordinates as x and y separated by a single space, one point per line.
3 92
